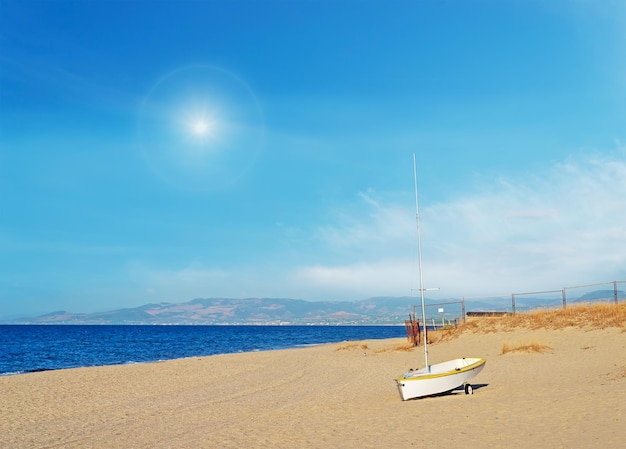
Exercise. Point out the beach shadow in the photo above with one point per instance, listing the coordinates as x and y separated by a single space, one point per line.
458 390
475 386
461 389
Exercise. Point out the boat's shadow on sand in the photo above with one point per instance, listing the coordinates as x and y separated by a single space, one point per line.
459 390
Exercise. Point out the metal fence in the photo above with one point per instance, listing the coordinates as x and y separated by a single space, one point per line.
549 299
439 315
450 315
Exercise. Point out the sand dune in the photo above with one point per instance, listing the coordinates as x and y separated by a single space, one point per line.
333 396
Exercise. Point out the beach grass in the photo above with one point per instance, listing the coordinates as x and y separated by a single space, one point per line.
598 316
351 346
360 346
583 316
402 347
533 346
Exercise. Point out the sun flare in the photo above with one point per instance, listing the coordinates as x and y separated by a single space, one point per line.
201 127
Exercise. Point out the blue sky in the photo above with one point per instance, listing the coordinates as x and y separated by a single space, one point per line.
164 151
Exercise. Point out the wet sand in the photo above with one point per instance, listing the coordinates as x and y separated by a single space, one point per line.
333 396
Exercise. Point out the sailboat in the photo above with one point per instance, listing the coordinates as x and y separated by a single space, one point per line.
441 377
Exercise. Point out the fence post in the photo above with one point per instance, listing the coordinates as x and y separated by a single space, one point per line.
513 302
615 291
463 308
564 300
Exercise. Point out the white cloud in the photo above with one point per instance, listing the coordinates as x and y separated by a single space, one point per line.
358 280
561 227
374 230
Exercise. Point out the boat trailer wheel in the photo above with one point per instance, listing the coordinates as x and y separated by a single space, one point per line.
469 389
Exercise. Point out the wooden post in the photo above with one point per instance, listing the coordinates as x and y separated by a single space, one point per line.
564 301
513 302
615 291
412 329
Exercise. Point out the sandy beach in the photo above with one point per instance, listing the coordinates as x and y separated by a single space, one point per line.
333 396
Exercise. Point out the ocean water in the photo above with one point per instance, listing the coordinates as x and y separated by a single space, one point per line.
31 348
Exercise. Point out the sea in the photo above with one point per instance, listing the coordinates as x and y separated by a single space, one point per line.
32 348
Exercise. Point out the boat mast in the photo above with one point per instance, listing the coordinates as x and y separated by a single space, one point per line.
419 252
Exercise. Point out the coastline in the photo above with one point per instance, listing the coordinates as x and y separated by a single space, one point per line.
333 395
27 348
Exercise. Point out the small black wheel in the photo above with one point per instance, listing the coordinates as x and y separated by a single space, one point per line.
469 389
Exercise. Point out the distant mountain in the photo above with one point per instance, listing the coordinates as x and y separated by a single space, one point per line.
379 310
600 295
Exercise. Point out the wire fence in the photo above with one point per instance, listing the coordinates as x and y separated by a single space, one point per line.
613 292
440 315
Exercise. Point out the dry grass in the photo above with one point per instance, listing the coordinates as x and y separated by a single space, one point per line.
444 334
396 348
359 346
585 316
353 346
525 347
598 316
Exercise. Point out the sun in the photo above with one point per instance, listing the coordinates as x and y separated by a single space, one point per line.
201 127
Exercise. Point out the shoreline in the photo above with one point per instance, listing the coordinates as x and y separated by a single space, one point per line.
332 395
27 349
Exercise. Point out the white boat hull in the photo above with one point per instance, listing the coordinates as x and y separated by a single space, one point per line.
439 378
